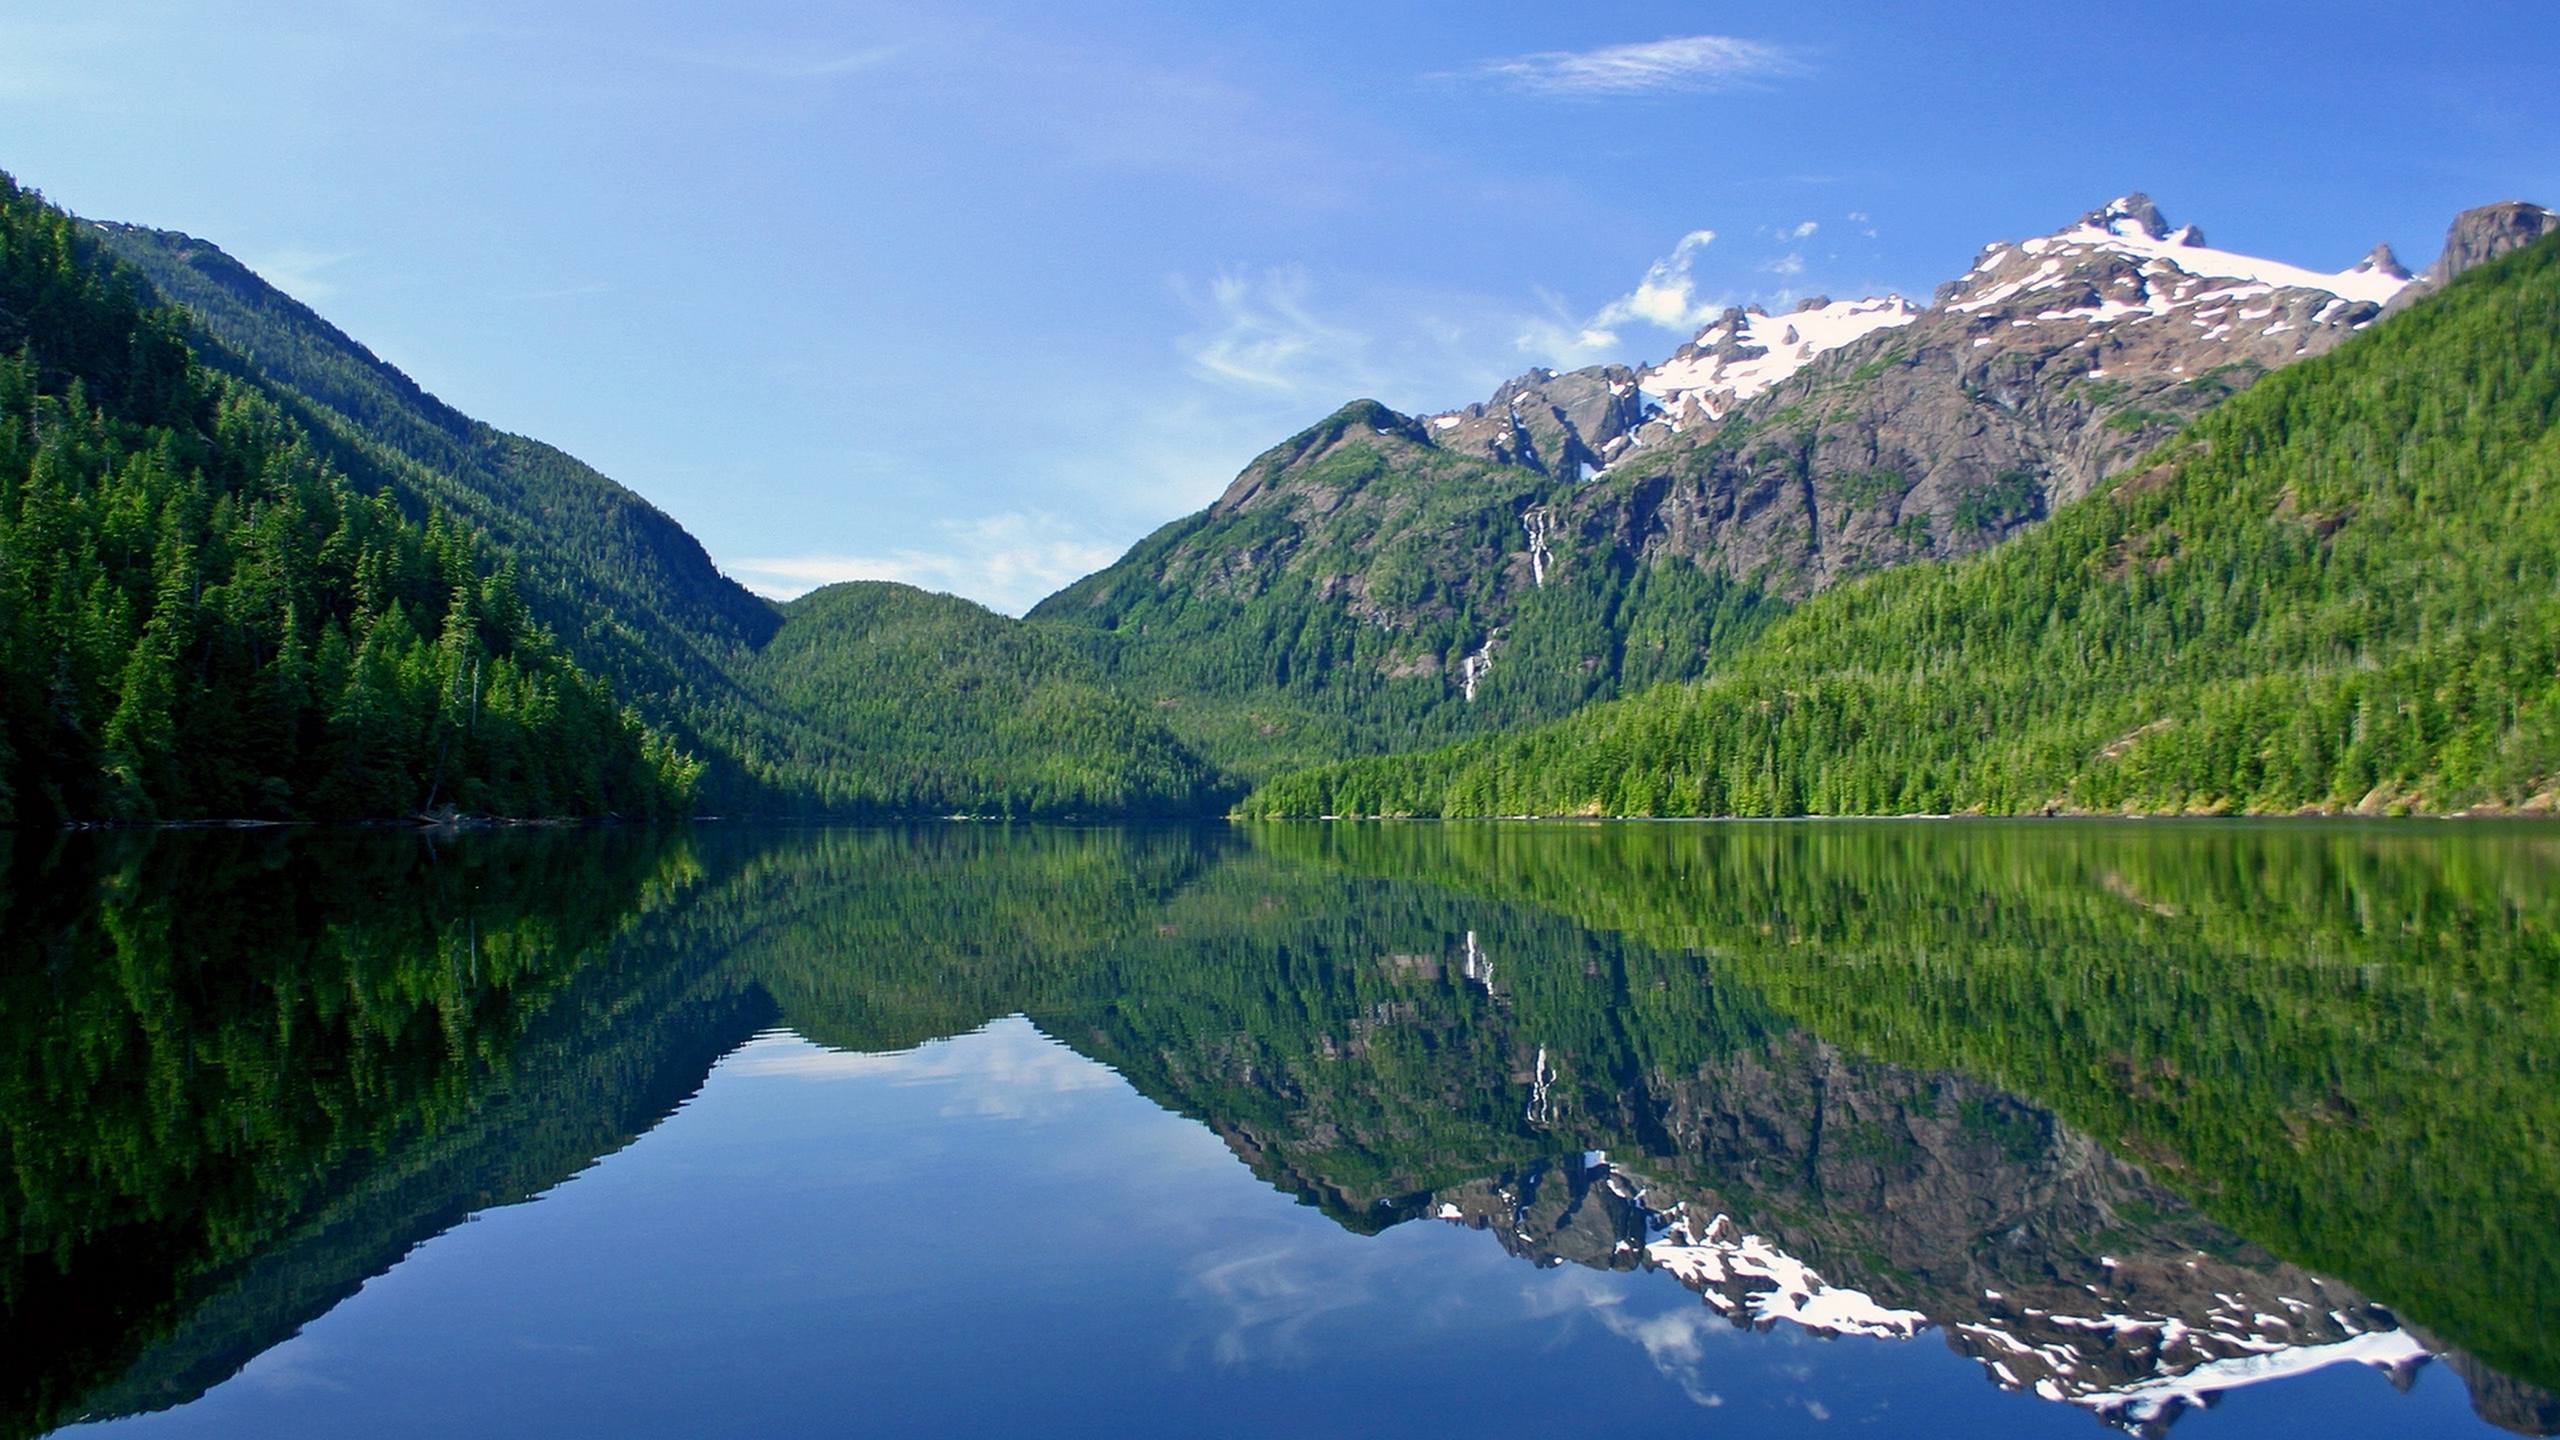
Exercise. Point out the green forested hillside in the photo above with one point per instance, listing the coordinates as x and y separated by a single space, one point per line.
816 708
1332 603
940 704
630 593
2332 1038
246 1072
2339 590
199 616
2339 594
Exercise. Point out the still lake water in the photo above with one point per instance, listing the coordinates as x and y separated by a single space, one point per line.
1916 1129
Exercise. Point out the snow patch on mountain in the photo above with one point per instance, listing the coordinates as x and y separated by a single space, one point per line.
1747 351
2176 268
2145 1401
1775 1285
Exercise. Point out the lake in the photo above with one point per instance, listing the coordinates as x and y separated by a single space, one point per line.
2226 1129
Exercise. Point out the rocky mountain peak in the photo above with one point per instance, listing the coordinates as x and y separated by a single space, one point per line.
1276 473
2122 265
2382 261
1554 423
2481 235
2137 218
1732 337
2476 237
2131 215
1520 387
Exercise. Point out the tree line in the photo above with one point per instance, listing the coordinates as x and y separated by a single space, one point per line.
200 616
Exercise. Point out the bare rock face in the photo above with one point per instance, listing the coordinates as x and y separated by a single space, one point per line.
2482 235
2479 236
2046 368
2134 214
2381 261
1798 450
1558 425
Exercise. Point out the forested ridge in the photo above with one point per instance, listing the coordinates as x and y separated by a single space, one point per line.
856 702
1333 604
2331 1039
631 595
201 617
936 697
2336 594
882 700
2340 590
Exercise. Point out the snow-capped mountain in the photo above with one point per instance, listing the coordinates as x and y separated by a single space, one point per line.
2118 295
1748 351
2157 272
2136 1341
1491 565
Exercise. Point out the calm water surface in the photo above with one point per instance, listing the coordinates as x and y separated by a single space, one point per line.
2032 1129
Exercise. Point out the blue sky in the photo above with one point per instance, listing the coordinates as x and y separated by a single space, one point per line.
976 294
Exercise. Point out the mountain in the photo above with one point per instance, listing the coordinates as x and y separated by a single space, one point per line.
2479 236
631 594
819 707
1377 582
2276 1113
2198 1000
1587 534
200 617
1359 585
2339 591
933 697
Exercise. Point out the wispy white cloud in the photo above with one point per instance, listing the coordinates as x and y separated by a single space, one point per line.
1684 62
300 1364
1804 230
1674 1339
1258 332
1791 263
1006 561
298 272
1667 298
1272 1297
1270 347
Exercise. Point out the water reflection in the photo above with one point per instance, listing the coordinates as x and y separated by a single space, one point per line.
2128 1118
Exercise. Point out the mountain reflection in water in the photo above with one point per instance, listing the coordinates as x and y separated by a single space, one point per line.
2128 1117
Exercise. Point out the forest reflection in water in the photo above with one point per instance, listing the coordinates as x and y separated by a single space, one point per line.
2127 1116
